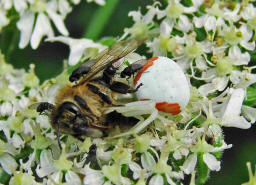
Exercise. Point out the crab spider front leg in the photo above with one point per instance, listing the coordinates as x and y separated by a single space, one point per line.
139 126
136 109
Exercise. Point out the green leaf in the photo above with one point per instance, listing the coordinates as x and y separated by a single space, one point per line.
124 170
200 34
253 56
107 41
4 177
250 97
186 2
24 153
202 170
200 12
177 32
100 19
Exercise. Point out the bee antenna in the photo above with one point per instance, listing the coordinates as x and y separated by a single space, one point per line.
58 136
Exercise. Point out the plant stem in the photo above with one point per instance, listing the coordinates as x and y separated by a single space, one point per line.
100 19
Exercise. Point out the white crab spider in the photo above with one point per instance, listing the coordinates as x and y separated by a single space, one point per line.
165 88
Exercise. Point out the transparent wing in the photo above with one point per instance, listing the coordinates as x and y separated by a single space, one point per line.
107 57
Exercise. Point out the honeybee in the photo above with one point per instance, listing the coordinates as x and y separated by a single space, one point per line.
79 106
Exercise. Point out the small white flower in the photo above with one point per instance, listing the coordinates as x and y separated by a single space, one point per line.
246 38
231 116
211 162
143 24
156 179
43 12
42 28
6 109
184 24
232 15
16 141
28 164
7 4
147 161
238 58
136 169
79 48
206 21
20 5
8 163
64 7
46 164
72 178
194 51
248 12
249 113
190 164
25 25
92 176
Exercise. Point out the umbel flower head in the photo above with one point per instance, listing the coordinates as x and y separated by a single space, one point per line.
210 41
36 18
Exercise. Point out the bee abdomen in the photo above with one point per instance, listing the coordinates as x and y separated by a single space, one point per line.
102 95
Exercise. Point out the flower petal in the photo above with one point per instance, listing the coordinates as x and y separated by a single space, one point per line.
156 180
237 121
210 23
184 24
92 176
238 57
147 161
58 22
249 113
46 163
72 178
190 164
235 103
42 28
8 163
211 162
25 25
3 19
20 5
136 169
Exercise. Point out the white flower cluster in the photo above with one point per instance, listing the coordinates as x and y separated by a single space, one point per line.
35 18
210 40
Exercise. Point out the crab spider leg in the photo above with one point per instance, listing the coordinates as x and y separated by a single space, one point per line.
139 126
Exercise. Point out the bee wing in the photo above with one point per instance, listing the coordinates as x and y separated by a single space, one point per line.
111 55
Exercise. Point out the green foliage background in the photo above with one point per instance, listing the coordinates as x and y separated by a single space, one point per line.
96 22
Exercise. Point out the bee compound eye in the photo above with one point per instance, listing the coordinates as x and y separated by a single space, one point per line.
72 79
84 124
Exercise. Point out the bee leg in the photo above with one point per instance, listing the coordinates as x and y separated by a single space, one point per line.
133 68
123 88
81 71
108 74
84 130
116 118
92 158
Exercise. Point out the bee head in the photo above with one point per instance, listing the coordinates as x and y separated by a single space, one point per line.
71 120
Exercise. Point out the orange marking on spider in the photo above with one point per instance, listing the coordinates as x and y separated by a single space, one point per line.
144 68
173 108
